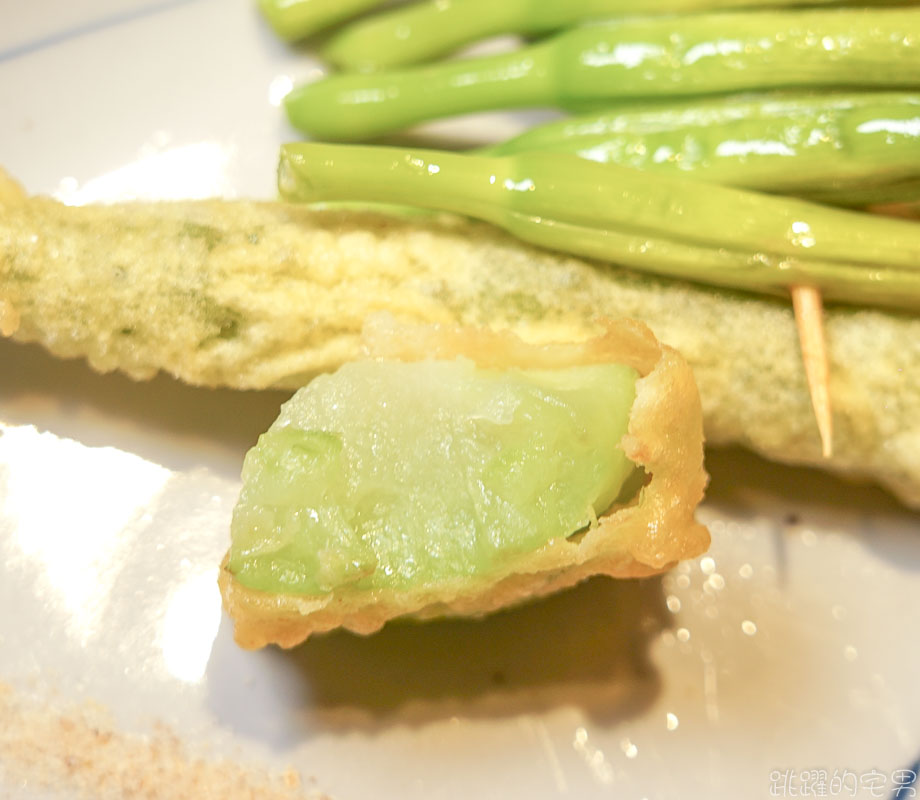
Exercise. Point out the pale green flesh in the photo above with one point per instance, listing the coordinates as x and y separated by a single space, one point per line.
398 475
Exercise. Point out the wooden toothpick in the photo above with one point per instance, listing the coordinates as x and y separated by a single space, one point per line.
809 320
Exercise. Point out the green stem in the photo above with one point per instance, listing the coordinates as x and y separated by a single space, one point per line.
416 33
358 106
314 172
708 233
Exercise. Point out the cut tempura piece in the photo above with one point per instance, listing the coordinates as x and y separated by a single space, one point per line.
462 471
390 474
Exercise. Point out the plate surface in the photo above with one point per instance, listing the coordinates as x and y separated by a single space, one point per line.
784 659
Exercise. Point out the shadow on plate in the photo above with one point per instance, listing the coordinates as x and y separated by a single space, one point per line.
585 647
796 498
151 417
744 480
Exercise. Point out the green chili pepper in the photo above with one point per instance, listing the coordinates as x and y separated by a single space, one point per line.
657 223
853 149
632 58
421 32
296 19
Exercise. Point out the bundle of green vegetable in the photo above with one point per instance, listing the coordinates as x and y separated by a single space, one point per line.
829 110
625 60
818 103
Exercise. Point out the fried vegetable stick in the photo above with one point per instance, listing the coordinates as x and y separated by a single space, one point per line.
258 295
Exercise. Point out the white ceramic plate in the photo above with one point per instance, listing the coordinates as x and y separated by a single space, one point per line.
789 650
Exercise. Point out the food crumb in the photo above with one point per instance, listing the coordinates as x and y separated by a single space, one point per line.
78 752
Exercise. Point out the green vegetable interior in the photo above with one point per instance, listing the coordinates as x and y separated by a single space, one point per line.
399 475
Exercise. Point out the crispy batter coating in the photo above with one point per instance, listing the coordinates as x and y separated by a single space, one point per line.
644 537
255 295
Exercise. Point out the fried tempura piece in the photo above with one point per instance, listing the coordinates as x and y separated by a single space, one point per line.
256 295
301 563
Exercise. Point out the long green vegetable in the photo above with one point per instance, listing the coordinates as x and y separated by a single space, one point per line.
420 32
629 59
850 149
296 19
671 226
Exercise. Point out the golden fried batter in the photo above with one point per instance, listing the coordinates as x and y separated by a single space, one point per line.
265 294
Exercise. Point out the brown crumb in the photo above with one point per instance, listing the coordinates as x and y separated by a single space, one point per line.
80 753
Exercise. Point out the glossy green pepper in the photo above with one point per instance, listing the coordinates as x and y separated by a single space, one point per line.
628 59
848 149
